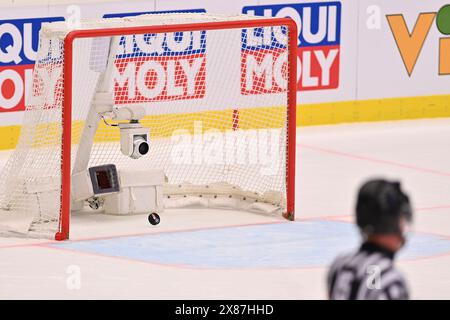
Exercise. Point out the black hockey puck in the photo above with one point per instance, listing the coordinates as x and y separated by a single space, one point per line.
154 218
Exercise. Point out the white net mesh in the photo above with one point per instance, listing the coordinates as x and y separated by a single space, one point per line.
215 104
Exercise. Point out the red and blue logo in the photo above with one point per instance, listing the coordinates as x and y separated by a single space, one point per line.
19 40
160 67
264 60
319 26
167 73
132 14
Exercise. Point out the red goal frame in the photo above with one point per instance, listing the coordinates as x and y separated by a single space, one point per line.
64 221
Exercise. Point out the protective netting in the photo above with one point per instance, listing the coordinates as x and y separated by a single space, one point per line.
215 104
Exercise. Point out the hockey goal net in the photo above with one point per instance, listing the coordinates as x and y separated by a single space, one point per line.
219 94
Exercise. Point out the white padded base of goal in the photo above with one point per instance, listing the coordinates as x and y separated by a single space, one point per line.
13 222
219 203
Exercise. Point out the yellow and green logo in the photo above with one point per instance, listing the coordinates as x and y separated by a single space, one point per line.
410 44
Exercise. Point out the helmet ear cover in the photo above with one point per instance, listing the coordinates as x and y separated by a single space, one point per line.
380 207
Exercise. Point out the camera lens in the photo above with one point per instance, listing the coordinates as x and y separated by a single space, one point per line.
140 148
143 148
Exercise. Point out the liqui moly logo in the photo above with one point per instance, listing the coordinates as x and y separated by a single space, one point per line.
319 28
158 67
264 60
162 66
47 83
18 47
156 75
133 14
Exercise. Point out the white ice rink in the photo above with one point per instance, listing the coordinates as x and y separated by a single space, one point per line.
211 254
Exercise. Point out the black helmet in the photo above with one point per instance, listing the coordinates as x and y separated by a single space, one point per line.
379 207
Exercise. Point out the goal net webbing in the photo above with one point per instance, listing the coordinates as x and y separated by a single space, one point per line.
216 104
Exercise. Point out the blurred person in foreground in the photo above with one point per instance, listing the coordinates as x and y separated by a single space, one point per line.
383 215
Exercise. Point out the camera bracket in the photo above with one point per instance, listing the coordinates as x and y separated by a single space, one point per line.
132 136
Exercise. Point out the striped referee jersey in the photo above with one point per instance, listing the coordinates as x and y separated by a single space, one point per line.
368 274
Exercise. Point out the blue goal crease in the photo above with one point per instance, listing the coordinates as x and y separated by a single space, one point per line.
288 245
